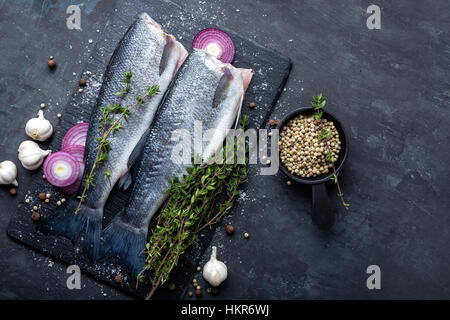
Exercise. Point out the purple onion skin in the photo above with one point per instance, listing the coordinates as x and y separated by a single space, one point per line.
75 135
221 38
78 152
63 156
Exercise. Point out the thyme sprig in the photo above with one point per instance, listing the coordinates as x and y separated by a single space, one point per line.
189 209
111 123
324 134
334 178
318 102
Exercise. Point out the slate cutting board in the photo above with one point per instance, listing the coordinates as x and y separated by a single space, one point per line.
271 71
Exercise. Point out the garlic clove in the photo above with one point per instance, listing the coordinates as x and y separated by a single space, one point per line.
8 173
215 271
39 128
31 155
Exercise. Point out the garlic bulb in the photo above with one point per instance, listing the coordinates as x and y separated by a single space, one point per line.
215 271
39 128
8 173
30 155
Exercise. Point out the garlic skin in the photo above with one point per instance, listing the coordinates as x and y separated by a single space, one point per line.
30 155
39 128
215 271
8 173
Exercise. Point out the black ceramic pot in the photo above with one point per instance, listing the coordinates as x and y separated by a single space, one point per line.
322 211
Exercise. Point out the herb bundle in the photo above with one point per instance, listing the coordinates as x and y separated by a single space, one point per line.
190 208
109 125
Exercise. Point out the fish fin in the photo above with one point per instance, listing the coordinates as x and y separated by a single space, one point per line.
125 181
137 151
170 44
238 116
127 243
64 221
222 87
91 243
183 56
247 75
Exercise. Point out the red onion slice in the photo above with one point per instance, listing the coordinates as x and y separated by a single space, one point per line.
75 136
216 42
61 169
72 189
78 153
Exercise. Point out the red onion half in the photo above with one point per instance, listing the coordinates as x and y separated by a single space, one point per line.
61 169
78 153
216 42
75 136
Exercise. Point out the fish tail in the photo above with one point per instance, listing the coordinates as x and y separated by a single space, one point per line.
91 243
64 221
126 242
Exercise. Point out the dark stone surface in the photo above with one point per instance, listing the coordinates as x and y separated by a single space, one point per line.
389 87
271 73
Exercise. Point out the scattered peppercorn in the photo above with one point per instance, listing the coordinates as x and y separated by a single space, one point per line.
51 64
27 200
289 182
215 290
58 203
41 196
63 200
270 134
267 161
198 287
198 293
171 286
271 123
199 268
190 293
246 235
208 290
252 105
47 195
118 279
42 105
277 122
47 200
59 115
43 176
82 82
35 216
80 90
35 208
13 191
51 57
230 229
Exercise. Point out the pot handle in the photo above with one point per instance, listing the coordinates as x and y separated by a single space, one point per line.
322 212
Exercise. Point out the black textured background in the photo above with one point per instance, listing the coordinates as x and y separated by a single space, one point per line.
270 75
389 86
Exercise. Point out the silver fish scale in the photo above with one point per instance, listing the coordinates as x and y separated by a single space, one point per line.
190 99
140 51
